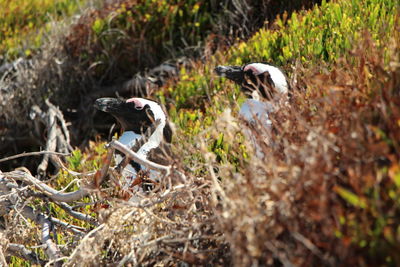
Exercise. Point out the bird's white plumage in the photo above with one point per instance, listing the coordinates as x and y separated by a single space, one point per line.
157 136
129 139
255 111
276 74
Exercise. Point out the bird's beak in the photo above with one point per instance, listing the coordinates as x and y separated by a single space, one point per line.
108 104
234 73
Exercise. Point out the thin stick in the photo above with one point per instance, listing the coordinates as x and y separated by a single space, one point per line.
71 260
129 153
52 251
37 153
76 214
49 191
77 230
2 257
21 251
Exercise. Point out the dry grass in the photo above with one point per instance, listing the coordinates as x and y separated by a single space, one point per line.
321 194
326 192
289 207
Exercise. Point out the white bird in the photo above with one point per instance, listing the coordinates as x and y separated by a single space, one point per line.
145 130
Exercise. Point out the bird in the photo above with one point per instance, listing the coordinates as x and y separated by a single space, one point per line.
264 78
265 86
145 130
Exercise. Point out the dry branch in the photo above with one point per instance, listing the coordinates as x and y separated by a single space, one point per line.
21 251
52 251
51 144
77 215
3 246
64 128
134 156
11 192
47 190
58 137
37 153
77 230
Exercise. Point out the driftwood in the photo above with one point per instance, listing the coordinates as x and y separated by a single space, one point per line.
58 137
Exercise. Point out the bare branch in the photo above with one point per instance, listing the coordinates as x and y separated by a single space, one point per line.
314 249
3 246
70 227
129 153
47 190
281 256
60 117
51 144
72 258
52 250
21 251
78 215
37 153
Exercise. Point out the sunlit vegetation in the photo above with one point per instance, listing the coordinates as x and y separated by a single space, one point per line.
327 191
23 23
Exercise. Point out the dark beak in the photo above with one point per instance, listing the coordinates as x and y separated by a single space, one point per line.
108 104
234 73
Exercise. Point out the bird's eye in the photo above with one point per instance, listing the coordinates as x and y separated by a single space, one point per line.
139 107
137 103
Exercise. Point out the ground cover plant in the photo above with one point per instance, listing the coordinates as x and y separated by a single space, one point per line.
325 193
24 22
85 56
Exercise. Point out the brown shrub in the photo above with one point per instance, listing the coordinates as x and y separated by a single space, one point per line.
327 190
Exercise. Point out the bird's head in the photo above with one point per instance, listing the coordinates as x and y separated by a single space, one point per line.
135 114
259 77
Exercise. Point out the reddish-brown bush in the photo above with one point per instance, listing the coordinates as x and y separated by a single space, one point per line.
327 191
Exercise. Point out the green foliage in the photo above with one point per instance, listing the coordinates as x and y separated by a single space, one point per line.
75 159
148 32
23 23
365 205
332 175
351 198
324 33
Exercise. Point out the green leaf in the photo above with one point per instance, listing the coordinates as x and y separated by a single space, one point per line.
351 198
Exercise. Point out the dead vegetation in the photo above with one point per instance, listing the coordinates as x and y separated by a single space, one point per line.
325 193
323 187
99 53
321 195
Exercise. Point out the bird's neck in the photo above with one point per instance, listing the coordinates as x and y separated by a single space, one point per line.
157 135
154 140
